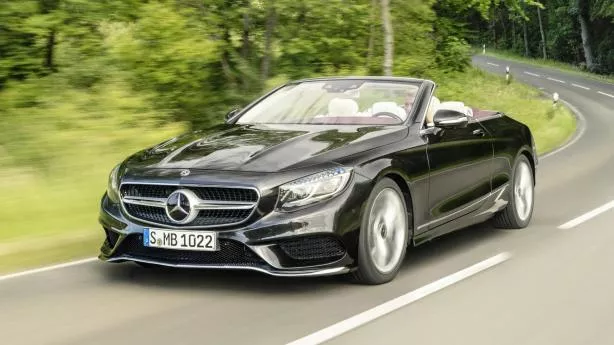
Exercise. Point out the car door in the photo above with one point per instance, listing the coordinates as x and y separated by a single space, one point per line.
461 163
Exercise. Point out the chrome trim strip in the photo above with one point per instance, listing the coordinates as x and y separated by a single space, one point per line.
224 205
275 273
203 205
144 201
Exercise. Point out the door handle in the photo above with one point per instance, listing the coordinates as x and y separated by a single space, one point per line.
478 133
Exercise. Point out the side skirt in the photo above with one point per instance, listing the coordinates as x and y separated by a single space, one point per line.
495 202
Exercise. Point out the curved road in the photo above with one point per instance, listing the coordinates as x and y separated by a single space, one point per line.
556 287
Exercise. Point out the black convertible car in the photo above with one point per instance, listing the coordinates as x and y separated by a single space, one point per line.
321 177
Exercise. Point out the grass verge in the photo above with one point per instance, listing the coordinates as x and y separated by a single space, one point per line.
57 147
62 196
562 66
551 127
54 252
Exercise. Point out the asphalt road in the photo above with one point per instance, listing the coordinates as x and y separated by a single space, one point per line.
556 288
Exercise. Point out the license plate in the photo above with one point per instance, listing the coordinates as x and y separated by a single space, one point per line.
180 240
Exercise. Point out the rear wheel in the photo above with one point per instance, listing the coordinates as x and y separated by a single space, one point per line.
384 234
519 211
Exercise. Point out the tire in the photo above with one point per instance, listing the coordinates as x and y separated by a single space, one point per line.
515 215
376 238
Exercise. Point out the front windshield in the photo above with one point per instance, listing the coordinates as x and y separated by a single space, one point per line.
349 102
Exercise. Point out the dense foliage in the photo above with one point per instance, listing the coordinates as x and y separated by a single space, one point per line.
573 31
74 64
84 83
192 60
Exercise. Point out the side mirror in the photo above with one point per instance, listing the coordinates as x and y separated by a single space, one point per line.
231 114
449 119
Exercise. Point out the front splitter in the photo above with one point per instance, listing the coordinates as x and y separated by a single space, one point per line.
277 273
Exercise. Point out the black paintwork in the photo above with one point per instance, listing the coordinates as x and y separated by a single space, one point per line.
451 177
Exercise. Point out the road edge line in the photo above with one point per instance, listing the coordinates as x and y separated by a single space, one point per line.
48 268
578 133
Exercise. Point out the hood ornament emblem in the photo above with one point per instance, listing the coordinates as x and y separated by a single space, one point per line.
181 206
184 173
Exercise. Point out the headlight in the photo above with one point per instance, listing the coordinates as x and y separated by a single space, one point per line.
311 189
113 185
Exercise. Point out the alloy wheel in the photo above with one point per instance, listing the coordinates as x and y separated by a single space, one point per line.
387 230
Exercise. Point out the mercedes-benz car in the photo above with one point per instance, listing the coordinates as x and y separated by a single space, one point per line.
320 177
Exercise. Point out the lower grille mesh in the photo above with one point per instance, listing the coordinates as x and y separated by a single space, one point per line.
231 253
313 250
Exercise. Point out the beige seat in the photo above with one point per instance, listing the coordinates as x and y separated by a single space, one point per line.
430 111
342 107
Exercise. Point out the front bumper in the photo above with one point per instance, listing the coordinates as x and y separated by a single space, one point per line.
318 241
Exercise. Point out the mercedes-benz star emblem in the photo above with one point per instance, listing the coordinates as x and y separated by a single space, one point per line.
185 172
180 206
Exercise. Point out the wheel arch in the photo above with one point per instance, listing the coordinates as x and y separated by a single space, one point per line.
397 178
527 153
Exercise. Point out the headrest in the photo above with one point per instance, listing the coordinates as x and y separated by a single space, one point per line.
342 107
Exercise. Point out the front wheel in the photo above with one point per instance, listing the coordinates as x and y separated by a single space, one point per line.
384 234
519 211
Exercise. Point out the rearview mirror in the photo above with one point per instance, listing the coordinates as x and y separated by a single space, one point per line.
448 118
231 114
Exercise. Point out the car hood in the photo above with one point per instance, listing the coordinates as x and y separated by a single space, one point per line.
264 148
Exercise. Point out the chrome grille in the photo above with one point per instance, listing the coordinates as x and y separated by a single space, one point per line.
215 206
205 193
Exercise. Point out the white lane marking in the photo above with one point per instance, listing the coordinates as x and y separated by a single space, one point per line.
587 216
580 86
358 320
532 74
492 64
557 80
605 94
48 268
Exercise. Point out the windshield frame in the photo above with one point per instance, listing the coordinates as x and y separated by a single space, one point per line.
414 111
